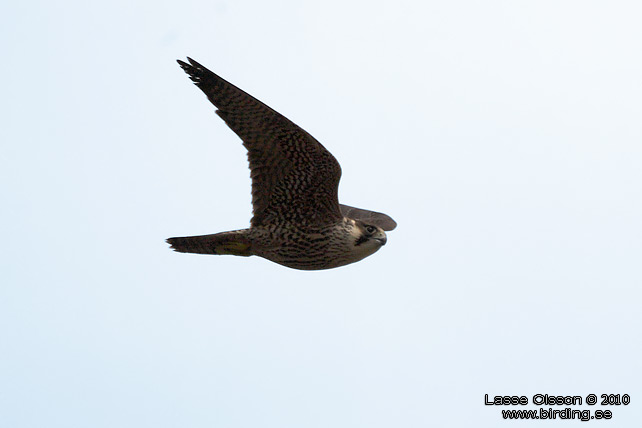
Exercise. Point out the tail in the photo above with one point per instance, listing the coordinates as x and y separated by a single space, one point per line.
235 243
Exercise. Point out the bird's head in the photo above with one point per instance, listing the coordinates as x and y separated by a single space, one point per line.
368 238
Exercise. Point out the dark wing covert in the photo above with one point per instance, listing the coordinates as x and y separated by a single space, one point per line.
294 178
369 217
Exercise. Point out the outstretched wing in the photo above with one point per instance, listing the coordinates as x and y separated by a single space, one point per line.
294 178
369 217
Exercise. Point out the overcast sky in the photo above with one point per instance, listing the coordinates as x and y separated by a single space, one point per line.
504 137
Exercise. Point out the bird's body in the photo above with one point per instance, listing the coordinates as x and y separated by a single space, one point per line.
298 221
306 249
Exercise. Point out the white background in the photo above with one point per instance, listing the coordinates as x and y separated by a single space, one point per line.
503 136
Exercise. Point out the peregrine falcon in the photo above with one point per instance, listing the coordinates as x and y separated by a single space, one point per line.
297 219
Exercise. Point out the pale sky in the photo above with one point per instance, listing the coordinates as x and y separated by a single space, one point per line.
504 137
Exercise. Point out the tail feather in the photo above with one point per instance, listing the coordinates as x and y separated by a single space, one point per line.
235 243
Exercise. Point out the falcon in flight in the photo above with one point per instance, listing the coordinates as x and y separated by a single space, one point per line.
297 219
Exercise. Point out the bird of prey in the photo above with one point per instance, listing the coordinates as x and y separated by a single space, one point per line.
297 219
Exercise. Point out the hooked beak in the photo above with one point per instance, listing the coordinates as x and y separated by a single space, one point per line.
382 240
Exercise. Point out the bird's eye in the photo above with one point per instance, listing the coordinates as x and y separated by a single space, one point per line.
371 229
